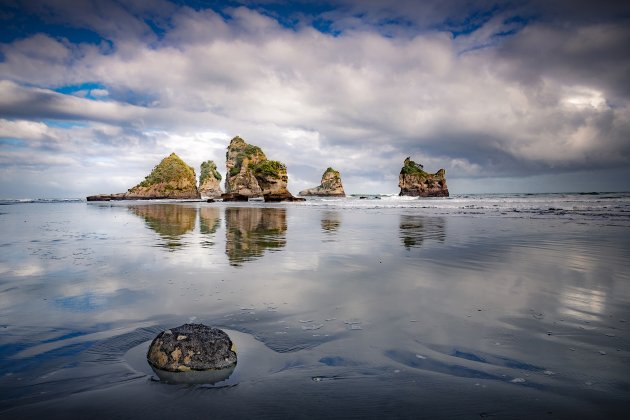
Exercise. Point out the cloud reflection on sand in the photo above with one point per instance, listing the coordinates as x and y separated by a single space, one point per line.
465 298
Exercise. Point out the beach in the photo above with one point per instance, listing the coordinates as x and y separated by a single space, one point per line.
505 306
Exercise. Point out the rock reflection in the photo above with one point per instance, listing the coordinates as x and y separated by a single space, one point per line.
209 221
250 231
331 220
170 221
414 230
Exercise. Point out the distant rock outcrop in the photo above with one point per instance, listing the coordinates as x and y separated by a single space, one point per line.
330 186
209 180
171 178
414 181
250 174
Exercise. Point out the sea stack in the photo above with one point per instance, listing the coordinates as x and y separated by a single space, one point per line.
250 174
414 181
330 186
172 178
209 180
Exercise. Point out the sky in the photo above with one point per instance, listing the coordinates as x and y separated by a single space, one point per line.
506 96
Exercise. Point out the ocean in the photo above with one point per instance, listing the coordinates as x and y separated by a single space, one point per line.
472 306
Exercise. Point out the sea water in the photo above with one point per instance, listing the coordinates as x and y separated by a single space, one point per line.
512 306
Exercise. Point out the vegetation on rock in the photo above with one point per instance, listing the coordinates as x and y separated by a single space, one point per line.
171 168
209 180
268 169
416 182
410 167
209 169
331 185
243 151
331 170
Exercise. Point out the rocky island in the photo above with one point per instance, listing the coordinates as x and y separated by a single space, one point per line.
209 180
330 186
251 175
414 181
171 178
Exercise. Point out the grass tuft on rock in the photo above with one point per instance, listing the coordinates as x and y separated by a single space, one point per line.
209 169
171 168
268 169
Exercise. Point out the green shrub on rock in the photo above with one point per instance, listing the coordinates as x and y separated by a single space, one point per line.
209 169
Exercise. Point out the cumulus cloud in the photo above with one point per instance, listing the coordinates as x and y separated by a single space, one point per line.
481 91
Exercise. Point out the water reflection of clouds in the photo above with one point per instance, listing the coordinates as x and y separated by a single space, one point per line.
438 285
582 303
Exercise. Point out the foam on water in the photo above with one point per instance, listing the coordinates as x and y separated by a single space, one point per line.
567 205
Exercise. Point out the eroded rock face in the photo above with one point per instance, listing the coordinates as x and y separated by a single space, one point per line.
209 180
330 186
414 181
239 178
192 347
171 178
251 174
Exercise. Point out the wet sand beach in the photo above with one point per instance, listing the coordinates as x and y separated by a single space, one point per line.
388 308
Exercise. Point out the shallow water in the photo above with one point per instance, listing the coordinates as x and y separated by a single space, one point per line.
339 308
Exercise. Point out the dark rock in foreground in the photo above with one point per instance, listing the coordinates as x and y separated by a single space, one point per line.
191 347
414 181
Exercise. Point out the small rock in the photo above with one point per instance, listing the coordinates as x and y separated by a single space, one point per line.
191 347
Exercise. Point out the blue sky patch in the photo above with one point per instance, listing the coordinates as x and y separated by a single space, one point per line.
18 24
11 141
89 90
64 124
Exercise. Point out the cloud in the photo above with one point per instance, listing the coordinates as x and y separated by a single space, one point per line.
594 55
474 90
